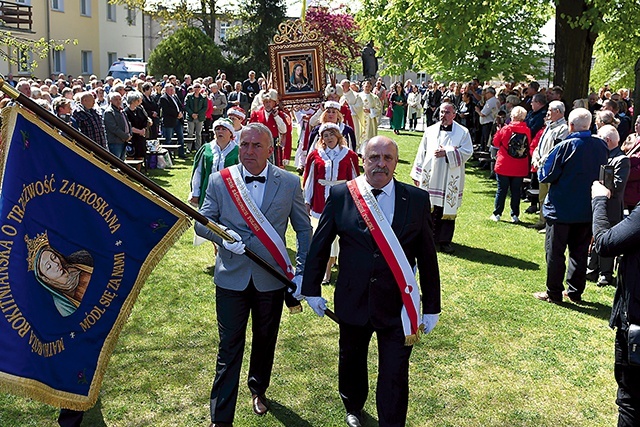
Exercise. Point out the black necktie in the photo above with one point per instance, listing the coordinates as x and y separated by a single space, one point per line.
376 192
447 128
250 179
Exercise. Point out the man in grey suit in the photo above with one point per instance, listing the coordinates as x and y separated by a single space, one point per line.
242 287
117 126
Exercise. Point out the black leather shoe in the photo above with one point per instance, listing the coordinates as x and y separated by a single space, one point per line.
447 248
259 404
352 420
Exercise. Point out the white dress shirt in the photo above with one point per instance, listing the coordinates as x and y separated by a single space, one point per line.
256 189
386 199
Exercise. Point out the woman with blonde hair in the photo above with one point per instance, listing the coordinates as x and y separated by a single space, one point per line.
606 117
512 162
329 164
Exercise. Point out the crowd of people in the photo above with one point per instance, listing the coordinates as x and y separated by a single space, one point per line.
241 137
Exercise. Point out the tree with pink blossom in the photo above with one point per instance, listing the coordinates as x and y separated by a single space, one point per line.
339 29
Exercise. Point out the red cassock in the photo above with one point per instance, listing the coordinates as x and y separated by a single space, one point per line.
321 169
346 113
261 116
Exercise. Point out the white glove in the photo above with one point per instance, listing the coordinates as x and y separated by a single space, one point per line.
297 280
317 304
236 247
429 321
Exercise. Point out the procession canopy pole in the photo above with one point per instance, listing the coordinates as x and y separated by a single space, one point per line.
132 173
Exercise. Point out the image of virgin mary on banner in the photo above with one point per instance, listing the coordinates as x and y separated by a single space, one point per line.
77 241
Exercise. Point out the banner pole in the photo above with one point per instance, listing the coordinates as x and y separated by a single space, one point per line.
132 173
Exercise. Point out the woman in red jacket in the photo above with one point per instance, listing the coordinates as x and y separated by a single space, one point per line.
512 162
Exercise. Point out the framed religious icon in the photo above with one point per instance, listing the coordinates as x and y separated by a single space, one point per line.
298 71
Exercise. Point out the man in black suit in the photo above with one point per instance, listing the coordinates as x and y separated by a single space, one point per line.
172 117
238 98
368 298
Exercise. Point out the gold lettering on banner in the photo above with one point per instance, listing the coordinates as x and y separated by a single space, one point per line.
45 349
86 195
95 314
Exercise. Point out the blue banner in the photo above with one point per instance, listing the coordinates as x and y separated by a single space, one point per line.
77 241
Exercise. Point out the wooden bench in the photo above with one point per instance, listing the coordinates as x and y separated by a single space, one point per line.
171 148
138 164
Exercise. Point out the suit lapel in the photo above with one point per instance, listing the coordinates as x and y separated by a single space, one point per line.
401 208
271 187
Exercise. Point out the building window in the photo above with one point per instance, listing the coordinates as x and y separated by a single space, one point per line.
25 2
87 62
85 7
24 61
59 61
131 16
224 26
112 57
57 5
111 11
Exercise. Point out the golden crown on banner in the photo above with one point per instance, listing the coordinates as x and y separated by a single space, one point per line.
34 245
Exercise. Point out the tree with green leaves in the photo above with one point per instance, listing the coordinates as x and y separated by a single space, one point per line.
180 13
450 39
583 24
40 49
187 51
247 43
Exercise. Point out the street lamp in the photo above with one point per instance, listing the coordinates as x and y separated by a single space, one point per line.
551 46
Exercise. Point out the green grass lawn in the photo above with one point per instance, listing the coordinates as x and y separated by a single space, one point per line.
498 357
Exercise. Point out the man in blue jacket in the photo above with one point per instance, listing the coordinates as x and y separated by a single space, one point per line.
570 169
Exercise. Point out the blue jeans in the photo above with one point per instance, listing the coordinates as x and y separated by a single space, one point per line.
167 133
118 150
506 183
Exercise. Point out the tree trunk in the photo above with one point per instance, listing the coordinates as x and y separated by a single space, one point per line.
574 48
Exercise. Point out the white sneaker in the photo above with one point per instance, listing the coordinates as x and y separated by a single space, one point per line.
495 218
515 219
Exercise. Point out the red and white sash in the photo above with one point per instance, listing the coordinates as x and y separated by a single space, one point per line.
255 219
393 254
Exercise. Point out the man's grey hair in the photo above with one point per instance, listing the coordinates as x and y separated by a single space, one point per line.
580 119
113 94
117 87
609 132
59 102
132 96
557 105
540 97
259 127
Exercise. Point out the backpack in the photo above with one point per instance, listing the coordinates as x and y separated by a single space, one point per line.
518 147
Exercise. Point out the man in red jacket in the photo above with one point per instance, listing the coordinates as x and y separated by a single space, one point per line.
278 123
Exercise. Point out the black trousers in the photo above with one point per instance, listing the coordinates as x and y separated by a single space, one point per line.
442 228
392 389
628 379
577 238
233 309
70 418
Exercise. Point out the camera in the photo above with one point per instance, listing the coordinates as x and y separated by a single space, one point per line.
606 177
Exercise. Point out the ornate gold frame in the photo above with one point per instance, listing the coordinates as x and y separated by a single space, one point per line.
297 45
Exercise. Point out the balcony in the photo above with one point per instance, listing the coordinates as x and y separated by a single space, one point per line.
15 16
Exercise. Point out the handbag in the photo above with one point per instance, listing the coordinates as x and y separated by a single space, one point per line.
389 112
